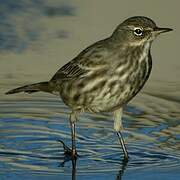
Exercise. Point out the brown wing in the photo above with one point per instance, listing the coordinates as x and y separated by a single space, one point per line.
69 71
88 59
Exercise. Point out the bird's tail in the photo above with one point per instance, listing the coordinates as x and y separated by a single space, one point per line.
31 88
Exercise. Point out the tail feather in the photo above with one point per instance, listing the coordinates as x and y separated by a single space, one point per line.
31 88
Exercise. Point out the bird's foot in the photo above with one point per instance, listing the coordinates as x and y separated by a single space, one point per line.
70 153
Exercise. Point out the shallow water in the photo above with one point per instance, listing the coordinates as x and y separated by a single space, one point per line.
36 38
31 125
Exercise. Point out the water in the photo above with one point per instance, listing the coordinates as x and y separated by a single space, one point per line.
32 125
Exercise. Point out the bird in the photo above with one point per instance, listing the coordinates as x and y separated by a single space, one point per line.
105 76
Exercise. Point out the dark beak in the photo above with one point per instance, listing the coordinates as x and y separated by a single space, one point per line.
158 30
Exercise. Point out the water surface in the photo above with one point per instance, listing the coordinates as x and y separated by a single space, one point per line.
30 127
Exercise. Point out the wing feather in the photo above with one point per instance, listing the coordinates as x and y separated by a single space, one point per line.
69 71
92 57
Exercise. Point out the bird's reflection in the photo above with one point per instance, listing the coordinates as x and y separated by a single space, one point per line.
74 169
68 157
119 175
122 169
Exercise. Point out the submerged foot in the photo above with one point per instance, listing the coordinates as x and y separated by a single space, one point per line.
72 154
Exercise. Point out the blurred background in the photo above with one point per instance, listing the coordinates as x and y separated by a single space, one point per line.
37 37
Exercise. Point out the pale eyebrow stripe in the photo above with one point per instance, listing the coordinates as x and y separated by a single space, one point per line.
133 27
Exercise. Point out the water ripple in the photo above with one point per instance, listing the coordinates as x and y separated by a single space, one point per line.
30 130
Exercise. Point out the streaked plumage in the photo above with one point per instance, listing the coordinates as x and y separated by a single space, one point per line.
104 84
107 74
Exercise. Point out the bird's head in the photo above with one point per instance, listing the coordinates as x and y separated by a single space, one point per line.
138 30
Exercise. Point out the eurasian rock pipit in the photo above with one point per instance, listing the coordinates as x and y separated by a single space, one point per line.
106 75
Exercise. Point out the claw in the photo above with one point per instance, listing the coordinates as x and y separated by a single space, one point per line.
69 152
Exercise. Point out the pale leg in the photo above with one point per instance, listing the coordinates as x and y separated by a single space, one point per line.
73 133
67 151
118 127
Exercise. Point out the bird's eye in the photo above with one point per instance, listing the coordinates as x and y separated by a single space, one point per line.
138 31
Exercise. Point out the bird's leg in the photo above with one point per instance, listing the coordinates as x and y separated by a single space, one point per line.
118 127
67 151
121 140
73 135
